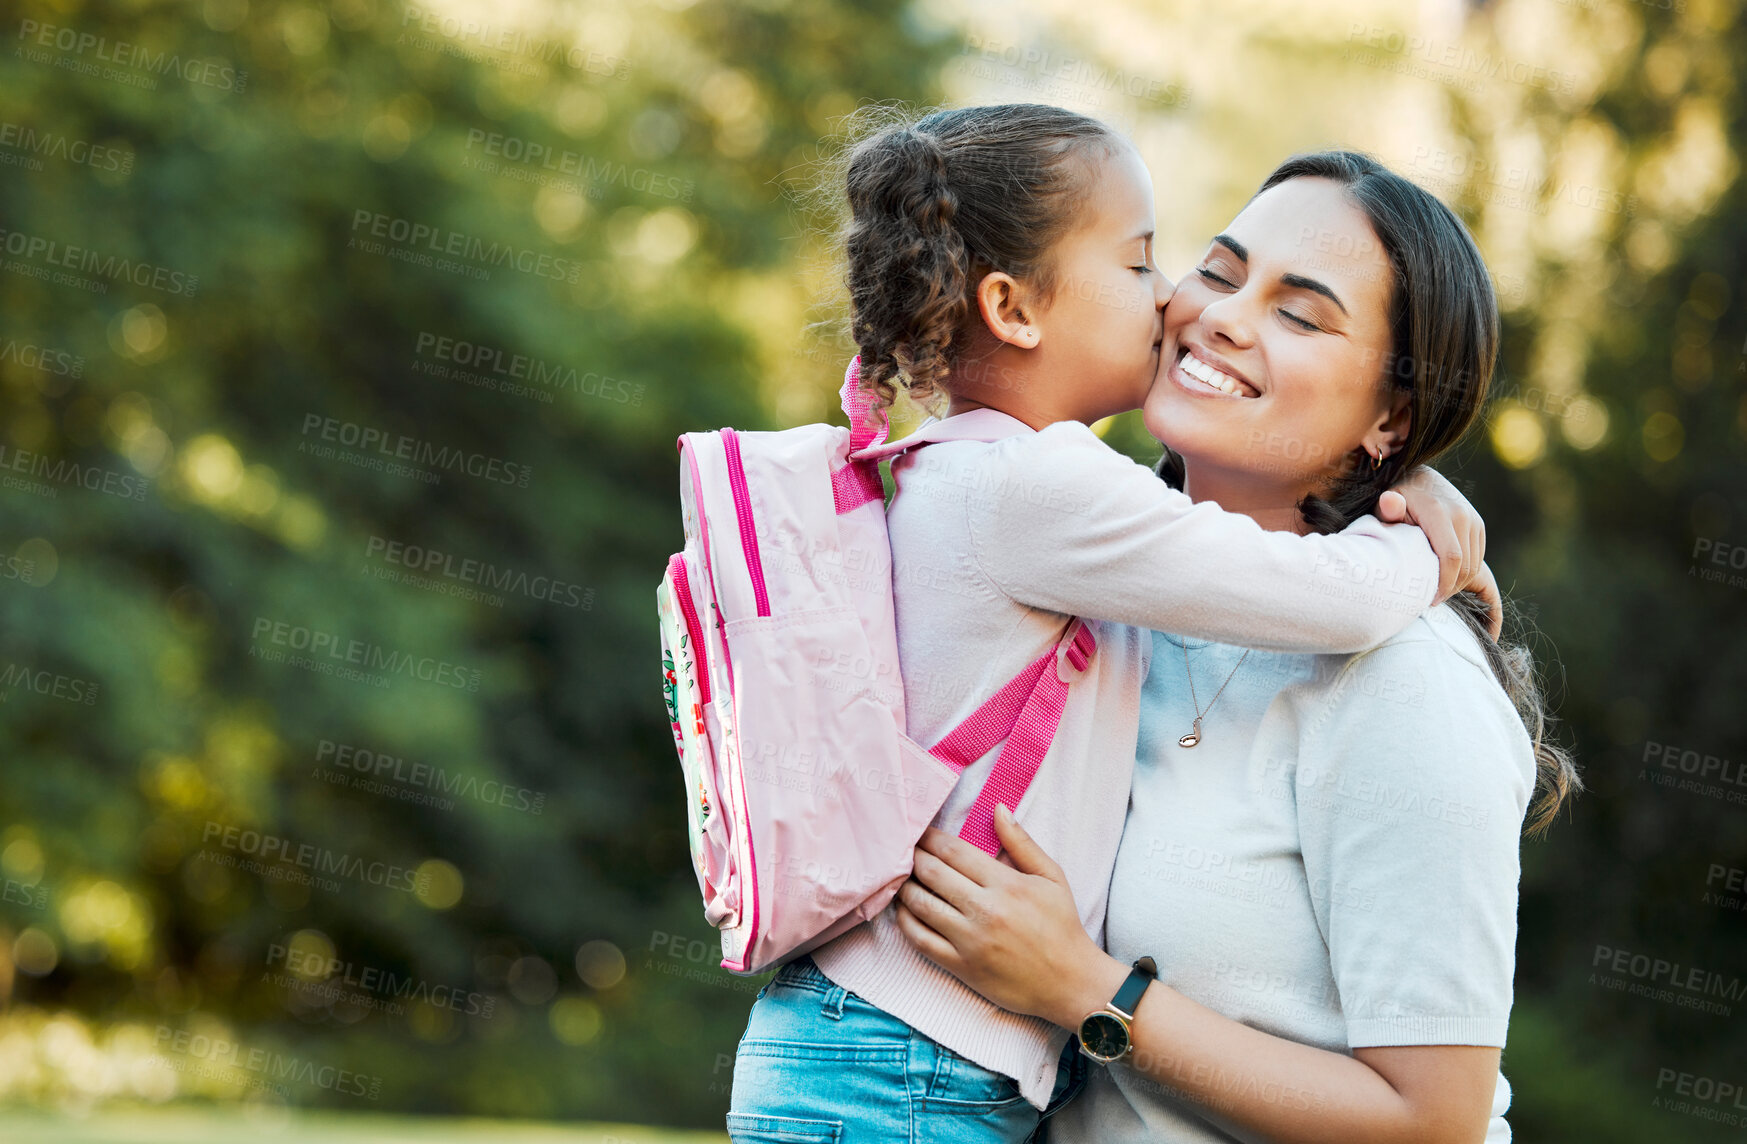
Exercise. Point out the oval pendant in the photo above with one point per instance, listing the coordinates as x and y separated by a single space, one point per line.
1189 740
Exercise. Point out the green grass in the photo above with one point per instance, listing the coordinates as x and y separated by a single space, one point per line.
194 1125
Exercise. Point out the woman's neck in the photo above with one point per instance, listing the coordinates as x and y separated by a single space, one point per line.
1268 503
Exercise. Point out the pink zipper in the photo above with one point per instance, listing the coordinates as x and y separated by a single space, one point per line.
683 589
754 570
747 877
743 510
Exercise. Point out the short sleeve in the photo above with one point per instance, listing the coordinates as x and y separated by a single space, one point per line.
1413 776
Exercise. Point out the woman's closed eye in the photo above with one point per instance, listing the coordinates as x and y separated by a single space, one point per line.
1297 320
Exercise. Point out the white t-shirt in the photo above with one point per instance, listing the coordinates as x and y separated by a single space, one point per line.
1336 862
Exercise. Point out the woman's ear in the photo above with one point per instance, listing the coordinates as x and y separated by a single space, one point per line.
1004 303
1389 434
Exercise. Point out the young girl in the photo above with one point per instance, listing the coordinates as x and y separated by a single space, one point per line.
1002 256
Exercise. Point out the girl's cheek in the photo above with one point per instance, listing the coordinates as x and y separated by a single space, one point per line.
1184 307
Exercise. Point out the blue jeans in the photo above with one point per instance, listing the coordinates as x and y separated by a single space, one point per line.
819 1065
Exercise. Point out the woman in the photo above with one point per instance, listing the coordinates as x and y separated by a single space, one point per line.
1320 854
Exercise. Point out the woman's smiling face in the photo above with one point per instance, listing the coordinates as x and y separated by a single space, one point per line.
1275 347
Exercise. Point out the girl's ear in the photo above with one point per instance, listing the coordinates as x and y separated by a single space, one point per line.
1002 301
1388 435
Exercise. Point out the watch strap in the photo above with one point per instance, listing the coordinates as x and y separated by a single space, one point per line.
1127 997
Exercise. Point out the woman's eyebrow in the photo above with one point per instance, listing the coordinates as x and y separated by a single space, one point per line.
1311 284
1296 280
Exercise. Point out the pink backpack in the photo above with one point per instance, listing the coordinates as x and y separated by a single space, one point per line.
805 798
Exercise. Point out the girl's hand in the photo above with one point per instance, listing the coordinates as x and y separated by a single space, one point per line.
1012 933
1456 532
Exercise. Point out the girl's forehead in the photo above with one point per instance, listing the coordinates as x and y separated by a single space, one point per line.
1121 202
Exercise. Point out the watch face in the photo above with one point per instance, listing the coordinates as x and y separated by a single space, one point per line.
1103 1036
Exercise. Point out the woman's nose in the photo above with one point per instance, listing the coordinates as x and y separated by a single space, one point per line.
1226 317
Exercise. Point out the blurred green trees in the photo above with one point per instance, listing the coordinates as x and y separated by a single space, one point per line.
433 299
1617 484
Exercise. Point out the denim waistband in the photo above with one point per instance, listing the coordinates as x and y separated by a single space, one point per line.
804 972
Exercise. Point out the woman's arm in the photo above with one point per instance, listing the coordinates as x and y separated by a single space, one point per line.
1013 934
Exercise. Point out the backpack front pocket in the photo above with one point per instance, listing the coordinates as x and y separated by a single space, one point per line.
820 750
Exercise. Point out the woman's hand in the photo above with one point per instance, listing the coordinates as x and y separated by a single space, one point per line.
1012 933
1456 532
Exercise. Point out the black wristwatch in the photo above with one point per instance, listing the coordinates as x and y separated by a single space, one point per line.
1104 1034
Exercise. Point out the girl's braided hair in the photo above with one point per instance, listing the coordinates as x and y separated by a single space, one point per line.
937 203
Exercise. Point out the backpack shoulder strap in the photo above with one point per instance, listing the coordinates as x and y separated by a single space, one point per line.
1026 713
867 425
858 482
977 425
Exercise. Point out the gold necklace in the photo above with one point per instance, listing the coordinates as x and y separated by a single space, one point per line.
1194 736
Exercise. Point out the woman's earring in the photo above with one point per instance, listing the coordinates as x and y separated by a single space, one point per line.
1377 460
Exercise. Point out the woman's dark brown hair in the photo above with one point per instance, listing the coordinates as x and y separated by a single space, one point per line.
936 204
1445 331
